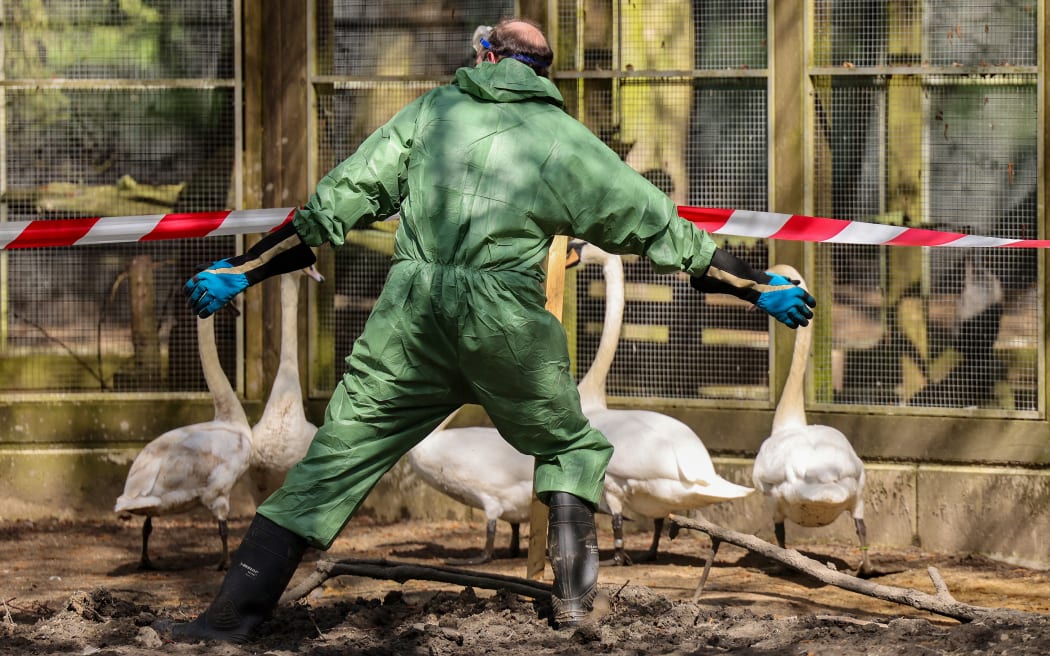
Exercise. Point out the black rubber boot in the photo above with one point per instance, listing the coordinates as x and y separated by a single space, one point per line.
261 569
574 558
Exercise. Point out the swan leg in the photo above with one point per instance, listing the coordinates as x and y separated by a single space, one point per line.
486 555
147 528
515 539
658 529
620 556
781 534
862 533
224 536
778 530
715 543
672 530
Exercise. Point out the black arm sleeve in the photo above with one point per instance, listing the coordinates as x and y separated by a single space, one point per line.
281 251
728 274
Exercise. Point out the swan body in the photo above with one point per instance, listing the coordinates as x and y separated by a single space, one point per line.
659 464
475 466
283 433
193 465
810 472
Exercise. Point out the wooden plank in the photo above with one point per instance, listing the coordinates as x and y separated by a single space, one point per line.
538 512
904 192
255 132
277 40
637 292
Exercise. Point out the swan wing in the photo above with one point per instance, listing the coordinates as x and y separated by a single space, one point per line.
186 464
477 467
149 465
659 465
652 445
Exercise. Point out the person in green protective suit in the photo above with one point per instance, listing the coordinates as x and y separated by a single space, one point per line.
484 172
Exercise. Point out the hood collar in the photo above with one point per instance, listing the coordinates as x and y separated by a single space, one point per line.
507 81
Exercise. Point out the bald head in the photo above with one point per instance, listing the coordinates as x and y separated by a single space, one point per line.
522 39
525 32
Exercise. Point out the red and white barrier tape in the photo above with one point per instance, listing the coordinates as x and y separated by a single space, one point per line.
147 227
738 223
795 227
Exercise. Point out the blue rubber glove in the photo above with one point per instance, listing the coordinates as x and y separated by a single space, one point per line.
281 251
214 287
785 301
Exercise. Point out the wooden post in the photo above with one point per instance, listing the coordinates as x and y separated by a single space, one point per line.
904 193
146 374
538 513
277 107
255 135
788 158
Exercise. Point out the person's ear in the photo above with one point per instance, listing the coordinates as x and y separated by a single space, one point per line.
490 57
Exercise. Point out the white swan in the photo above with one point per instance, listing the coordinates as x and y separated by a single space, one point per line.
810 472
477 467
196 464
283 433
659 465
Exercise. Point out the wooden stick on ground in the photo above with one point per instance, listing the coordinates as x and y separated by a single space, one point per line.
402 571
941 603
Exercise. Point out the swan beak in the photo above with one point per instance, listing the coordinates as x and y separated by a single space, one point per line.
572 257
312 272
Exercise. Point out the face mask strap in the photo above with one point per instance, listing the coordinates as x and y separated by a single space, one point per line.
480 40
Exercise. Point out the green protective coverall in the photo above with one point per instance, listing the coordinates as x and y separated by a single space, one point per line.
484 171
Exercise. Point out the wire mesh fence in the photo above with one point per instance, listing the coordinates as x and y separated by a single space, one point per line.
922 113
926 114
668 85
112 109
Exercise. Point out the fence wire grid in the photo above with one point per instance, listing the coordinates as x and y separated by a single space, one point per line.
922 113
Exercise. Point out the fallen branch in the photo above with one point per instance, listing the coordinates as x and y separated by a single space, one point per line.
941 603
401 572
841 619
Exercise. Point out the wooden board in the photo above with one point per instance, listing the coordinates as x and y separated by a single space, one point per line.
555 303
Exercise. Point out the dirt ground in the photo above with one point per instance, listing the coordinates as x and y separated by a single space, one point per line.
74 588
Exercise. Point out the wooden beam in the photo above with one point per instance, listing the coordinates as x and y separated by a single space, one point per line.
255 131
555 304
787 156
283 34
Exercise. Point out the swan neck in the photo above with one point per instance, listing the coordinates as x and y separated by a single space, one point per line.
791 409
286 392
592 386
227 405
289 358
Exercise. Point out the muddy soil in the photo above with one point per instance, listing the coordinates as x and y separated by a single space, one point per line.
74 588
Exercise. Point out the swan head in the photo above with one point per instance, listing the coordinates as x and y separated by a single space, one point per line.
789 272
589 253
312 273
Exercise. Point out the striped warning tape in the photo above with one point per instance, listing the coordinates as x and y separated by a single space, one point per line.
147 227
737 223
796 227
